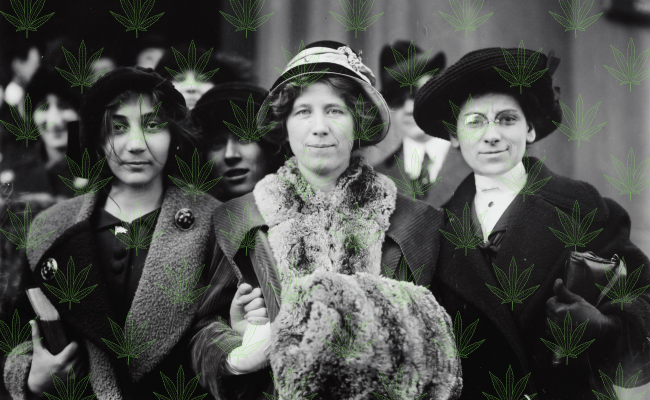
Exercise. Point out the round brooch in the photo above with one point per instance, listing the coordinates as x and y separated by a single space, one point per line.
184 219
49 268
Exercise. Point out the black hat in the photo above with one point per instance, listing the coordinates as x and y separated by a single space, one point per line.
391 89
475 73
214 106
118 81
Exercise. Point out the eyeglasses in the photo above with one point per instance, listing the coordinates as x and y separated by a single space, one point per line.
479 121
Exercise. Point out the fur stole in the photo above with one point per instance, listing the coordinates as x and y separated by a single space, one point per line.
343 233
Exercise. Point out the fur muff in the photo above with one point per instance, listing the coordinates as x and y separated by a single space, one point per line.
401 336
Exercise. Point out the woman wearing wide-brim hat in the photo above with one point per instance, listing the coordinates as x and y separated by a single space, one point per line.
321 237
493 129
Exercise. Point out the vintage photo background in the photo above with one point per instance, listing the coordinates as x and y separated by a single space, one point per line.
581 71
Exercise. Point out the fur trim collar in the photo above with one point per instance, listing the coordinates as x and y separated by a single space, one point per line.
313 232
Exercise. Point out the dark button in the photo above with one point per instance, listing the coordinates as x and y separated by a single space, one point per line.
491 204
119 251
49 268
117 266
184 219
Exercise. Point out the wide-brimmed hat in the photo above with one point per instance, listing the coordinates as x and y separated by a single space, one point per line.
475 72
215 106
335 59
392 89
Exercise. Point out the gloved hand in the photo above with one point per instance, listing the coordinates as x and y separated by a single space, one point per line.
239 362
246 307
605 329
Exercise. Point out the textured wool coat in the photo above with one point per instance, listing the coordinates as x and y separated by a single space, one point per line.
169 324
412 232
512 338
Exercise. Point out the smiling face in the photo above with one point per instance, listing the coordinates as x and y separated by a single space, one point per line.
136 157
311 127
489 154
191 89
53 121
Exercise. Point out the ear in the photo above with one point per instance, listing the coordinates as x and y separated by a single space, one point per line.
531 134
454 140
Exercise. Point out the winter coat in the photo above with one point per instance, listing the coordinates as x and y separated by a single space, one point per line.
169 323
411 234
512 338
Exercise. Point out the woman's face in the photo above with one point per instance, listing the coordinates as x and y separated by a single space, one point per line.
405 123
488 155
311 127
240 163
52 122
192 90
135 155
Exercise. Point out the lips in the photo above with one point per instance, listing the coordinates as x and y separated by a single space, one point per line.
320 145
236 173
138 163
493 152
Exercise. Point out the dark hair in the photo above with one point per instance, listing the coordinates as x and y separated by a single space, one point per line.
46 82
282 101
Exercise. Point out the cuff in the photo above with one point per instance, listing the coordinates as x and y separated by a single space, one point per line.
16 372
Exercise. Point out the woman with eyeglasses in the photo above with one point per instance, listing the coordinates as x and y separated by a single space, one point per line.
492 124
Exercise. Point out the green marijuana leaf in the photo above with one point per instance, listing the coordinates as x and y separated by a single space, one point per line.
140 132
521 70
293 286
468 128
414 186
356 15
70 390
576 15
361 120
401 389
135 233
630 182
576 230
456 344
630 73
26 128
621 291
246 348
246 14
195 183
180 391
406 289
242 236
128 340
346 344
26 14
136 15
357 233
248 129
468 233
579 123
466 15
513 286
16 340
621 383
509 391
302 187
523 183
302 73
82 70
26 236
88 175
191 69
410 70
70 290
290 389
567 339
182 285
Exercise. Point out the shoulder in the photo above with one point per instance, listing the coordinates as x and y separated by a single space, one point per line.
415 215
63 213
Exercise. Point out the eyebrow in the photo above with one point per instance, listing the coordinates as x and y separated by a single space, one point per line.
144 116
483 114
325 106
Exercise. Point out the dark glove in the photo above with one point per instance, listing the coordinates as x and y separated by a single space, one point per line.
605 329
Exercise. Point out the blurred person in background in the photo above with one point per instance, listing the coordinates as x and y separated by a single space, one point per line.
232 68
240 163
406 137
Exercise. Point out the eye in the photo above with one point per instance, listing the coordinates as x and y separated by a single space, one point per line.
474 120
336 111
303 111
509 119
151 126
119 127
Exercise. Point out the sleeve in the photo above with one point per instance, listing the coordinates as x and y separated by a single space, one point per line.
15 373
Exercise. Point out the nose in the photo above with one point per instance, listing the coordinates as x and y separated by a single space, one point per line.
232 151
319 125
137 144
493 135
54 117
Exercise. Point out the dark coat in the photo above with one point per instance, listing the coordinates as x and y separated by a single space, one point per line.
513 337
87 322
413 232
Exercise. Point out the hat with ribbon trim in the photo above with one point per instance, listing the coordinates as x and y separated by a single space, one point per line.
333 59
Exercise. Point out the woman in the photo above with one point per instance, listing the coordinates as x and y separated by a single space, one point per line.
297 221
139 122
493 130
240 162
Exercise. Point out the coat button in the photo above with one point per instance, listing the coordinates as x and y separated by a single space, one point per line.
49 268
184 219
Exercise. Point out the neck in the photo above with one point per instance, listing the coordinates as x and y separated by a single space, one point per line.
315 179
123 199
54 155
